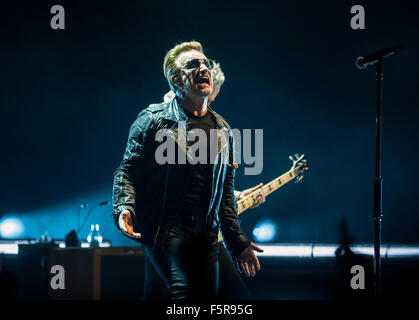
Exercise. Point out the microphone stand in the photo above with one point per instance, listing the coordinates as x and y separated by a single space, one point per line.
361 63
103 203
378 183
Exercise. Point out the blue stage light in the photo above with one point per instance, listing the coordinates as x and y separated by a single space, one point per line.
11 228
265 231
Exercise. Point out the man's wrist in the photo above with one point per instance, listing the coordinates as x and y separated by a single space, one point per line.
121 208
239 247
118 210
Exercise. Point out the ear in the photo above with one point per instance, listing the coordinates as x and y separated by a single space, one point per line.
177 81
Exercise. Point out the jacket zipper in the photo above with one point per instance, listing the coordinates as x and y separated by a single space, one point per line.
212 193
213 175
163 203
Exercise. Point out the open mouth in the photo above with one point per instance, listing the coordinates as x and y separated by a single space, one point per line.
204 80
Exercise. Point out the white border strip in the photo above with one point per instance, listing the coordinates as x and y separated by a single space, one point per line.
327 251
289 250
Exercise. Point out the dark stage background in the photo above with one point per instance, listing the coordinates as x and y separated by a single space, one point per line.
69 96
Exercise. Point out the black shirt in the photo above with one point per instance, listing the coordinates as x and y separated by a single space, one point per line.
198 190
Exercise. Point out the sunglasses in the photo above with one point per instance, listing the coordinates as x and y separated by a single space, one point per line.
196 63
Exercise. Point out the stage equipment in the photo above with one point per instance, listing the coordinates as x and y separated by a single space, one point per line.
361 63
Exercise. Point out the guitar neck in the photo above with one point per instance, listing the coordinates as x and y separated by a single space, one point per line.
268 188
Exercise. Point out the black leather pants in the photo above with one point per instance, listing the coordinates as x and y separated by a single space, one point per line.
231 286
187 261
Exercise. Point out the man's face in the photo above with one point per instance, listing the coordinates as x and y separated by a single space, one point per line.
195 75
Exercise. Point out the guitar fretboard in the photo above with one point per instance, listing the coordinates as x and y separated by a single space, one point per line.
268 188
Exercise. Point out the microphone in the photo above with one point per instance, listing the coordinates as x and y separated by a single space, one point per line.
99 204
364 62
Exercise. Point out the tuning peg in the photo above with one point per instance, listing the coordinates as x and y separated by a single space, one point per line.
299 179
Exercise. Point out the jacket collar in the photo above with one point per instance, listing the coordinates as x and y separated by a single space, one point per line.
174 112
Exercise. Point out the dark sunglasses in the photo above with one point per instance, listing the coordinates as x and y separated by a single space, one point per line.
196 63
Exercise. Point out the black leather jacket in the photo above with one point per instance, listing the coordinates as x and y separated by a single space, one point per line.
150 190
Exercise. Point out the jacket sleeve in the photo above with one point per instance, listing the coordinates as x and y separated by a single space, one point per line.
234 237
131 167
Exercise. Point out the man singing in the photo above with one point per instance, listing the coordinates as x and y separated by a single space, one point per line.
175 210
231 285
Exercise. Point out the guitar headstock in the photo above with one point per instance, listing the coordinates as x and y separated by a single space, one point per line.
299 165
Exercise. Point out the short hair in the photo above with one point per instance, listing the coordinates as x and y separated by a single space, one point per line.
170 67
218 77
